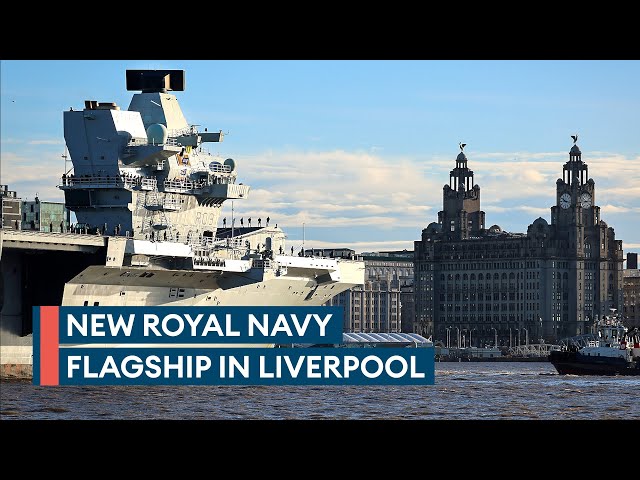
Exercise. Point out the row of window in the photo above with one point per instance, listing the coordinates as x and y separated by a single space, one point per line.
480 318
507 265
374 326
481 307
487 297
480 287
369 272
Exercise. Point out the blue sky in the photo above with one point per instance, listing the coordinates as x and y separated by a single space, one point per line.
358 150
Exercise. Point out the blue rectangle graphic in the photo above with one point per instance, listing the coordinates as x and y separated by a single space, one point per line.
218 325
247 366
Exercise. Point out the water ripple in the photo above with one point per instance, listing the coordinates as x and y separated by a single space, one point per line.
462 391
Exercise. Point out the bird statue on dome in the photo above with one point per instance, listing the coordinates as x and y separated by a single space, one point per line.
575 138
462 145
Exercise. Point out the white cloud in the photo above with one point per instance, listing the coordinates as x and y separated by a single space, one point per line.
23 168
618 209
346 190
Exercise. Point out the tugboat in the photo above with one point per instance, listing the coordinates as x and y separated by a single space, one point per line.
613 350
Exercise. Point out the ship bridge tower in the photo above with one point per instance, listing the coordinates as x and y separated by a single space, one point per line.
461 216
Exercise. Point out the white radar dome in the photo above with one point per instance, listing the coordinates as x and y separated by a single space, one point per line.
157 134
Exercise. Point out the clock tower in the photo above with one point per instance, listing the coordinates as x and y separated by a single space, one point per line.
575 193
594 256
461 216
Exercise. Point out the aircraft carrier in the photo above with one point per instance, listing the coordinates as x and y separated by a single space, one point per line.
148 197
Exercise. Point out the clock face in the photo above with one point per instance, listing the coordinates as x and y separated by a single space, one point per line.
565 200
585 200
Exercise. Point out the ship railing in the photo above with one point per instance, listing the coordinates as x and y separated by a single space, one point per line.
219 168
200 243
227 242
219 243
208 248
208 241
130 147
579 341
148 183
159 204
109 181
84 181
183 186
208 261
222 179
171 205
177 132
261 263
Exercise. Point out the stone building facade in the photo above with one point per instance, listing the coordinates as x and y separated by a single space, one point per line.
631 307
385 300
551 282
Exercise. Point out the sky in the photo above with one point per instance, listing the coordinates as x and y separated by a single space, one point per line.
354 153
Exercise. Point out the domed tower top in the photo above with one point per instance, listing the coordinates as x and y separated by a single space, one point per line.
575 154
575 172
461 178
461 158
461 215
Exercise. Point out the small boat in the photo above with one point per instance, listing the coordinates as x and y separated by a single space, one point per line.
612 350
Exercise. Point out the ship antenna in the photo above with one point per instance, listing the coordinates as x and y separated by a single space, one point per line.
66 159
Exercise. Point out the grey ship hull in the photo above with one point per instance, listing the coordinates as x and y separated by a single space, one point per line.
120 286
307 284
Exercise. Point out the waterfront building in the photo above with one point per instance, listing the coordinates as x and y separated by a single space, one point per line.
631 294
490 285
11 208
44 216
385 300
407 308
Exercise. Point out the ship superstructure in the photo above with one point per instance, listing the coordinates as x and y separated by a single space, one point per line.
144 173
143 178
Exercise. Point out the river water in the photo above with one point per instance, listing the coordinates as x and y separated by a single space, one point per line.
477 391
